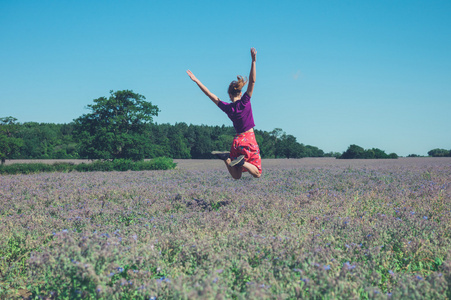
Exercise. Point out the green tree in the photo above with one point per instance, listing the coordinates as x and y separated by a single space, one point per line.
159 144
267 144
46 140
203 142
377 153
353 151
393 155
224 142
9 143
39 140
178 146
277 133
332 154
115 127
312 151
288 147
439 152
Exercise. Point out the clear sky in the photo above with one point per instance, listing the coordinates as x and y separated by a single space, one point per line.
331 73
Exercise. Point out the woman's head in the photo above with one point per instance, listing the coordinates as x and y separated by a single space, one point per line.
236 86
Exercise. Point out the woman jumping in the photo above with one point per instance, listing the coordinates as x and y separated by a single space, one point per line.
244 154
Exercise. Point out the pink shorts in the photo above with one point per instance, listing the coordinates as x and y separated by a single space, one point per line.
246 144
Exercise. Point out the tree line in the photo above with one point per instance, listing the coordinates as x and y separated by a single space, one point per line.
32 140
358 152
121 127
439 153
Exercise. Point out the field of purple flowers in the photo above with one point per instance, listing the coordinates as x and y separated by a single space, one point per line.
319 229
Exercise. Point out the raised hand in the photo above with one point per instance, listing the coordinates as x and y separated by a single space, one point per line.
254 54
191 75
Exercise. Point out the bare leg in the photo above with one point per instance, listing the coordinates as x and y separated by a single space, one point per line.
253 170
236 172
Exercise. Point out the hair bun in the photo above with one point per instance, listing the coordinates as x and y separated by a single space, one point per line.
236 86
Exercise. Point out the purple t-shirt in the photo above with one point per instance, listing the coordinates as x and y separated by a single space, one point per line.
240 112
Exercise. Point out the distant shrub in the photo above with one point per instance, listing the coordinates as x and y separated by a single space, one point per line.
160 163
354 152
63 167
98 165
439 153
393 155
122 165
26 168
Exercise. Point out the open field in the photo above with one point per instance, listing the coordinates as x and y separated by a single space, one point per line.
308 228
212 164
323 162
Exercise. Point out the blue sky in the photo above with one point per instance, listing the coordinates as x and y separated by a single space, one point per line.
331 73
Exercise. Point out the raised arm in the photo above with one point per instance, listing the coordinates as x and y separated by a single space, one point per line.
252 75
204 89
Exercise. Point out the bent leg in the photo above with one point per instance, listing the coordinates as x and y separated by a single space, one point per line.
236 172
253 170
